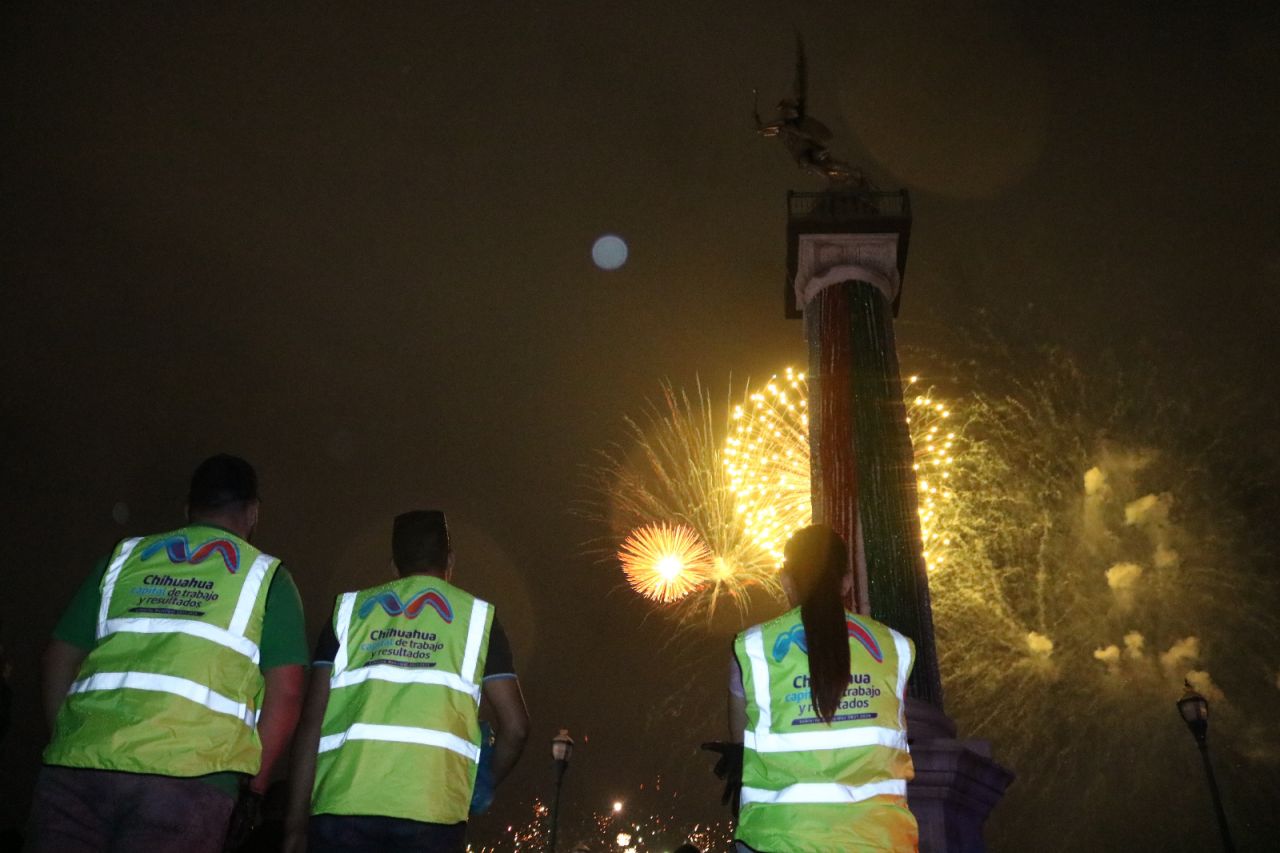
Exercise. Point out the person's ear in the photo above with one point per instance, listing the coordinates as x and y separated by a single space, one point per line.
846 586
251 515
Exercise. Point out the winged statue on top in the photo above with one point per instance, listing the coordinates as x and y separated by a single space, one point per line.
806 138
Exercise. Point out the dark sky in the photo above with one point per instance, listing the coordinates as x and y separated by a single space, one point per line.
351 243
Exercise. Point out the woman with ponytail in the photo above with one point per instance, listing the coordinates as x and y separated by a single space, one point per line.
816 700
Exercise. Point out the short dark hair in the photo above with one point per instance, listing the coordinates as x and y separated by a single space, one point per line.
420 541
222 482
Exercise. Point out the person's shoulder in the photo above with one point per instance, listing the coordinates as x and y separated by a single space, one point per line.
782 620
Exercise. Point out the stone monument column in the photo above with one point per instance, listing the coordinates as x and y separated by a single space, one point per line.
846 254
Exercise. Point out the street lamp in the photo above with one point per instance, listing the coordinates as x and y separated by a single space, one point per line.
561 749
1194 710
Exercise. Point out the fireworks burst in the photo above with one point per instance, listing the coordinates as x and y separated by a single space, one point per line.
766 458
665 562
1102 558
671 473
739 487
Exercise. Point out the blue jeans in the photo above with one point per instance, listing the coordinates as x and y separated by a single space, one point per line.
332 833
75 810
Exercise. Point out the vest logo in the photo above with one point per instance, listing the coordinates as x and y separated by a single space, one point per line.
410 609
179 551
795 637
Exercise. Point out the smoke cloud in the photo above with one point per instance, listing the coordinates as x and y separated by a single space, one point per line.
1095 482
1182 653
1133 643
1149 510
1110 655
1203 684
1038 644
1123 576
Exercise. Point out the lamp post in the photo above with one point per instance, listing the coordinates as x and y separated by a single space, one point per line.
1194 709
561 749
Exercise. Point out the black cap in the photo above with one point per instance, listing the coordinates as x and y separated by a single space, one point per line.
420 538
222 480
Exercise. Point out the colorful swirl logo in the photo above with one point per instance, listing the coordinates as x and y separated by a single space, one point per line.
179 551
860 633
795 636
410 609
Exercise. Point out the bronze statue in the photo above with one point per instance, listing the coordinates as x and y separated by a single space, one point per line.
805 137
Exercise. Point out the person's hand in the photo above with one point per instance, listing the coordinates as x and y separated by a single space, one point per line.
728 768
245 818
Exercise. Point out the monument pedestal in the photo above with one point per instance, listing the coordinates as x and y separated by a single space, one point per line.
957 783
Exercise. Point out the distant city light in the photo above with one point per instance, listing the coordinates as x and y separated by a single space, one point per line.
609 252
617 806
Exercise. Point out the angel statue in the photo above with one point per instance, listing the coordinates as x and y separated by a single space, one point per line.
804 136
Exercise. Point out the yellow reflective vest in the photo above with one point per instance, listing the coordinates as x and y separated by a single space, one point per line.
172 686
401 733
808 785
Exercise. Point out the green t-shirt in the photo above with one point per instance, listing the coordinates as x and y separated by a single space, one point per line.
284 633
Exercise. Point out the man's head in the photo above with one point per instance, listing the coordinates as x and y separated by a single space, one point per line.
224 491
420 543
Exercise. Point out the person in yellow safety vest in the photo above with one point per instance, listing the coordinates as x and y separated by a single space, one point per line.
389 744
817 701
172 684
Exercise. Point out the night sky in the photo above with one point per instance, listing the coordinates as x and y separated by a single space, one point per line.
352 244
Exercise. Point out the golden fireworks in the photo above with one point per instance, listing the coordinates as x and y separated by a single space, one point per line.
665 562
709 505
933 443
766 459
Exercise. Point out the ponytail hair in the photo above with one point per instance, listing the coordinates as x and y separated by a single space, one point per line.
817 560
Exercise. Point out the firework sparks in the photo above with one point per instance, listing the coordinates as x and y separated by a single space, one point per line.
665 562
1099 553
672 473
766 458
741 497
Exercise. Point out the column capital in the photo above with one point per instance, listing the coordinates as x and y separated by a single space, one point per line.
826 259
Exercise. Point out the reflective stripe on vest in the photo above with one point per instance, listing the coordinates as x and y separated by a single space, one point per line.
233 636
187 689
402 734
764 740
399 675
825 792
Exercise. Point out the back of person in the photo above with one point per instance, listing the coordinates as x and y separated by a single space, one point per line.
172 686
389 746
401 735
172 683
810 785
816 699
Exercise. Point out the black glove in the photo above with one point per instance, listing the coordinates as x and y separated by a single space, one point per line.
245 818
728 768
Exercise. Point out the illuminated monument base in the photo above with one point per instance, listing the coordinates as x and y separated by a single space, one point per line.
846 256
